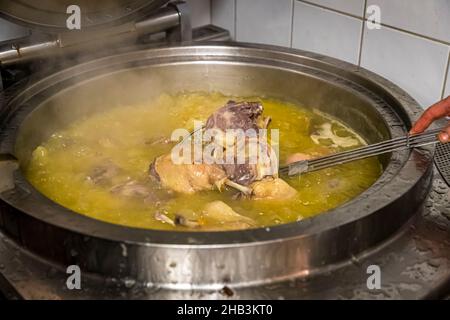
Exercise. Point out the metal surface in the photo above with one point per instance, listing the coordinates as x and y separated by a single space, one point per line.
371 105
51 15
210 33
414 264
368 151
442 160
173 19
183 33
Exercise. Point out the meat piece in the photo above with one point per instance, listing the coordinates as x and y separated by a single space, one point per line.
141 190
218 213
132 189
319 151
249 171
181 220
186 178
241 173
162 216
190 178
104 173
272 189
295 157
243 116
215 215
236 115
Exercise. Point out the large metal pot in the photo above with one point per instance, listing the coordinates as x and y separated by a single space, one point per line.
371 105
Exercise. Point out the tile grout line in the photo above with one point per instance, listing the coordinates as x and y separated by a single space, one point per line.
330 9
446 76
235 21
382 24
292 24
364 10
210 11
361 41
416 34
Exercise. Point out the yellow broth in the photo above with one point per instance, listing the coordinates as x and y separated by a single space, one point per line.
129 137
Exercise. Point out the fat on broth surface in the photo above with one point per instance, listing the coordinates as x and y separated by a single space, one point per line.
131 137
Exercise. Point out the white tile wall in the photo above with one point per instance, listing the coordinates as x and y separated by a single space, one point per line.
264 21
415 64
200 12
413 56
339 37
355 7
411 60
430 17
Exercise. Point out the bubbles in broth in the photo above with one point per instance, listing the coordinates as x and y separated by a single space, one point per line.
121 143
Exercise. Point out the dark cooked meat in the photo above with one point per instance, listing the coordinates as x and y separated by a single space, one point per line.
243 173
236 115
244 116
190 178
141 190
104 173
132 189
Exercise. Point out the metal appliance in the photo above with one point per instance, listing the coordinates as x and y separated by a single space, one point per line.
399 225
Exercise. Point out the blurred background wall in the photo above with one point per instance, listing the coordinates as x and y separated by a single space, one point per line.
412 48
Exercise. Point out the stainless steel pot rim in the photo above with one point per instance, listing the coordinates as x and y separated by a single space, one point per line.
410 166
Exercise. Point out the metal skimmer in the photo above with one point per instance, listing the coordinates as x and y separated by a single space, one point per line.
407 142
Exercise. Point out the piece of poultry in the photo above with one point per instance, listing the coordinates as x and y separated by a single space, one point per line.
272 189
242 116
186 178
255 180
215 216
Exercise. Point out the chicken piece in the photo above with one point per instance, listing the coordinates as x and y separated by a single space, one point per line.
181 220
272 189
218 213
104 173
162 216
295 157
186 178
241 173
243 116
141 190
190 178
132 189
215 216
236 115
319 151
